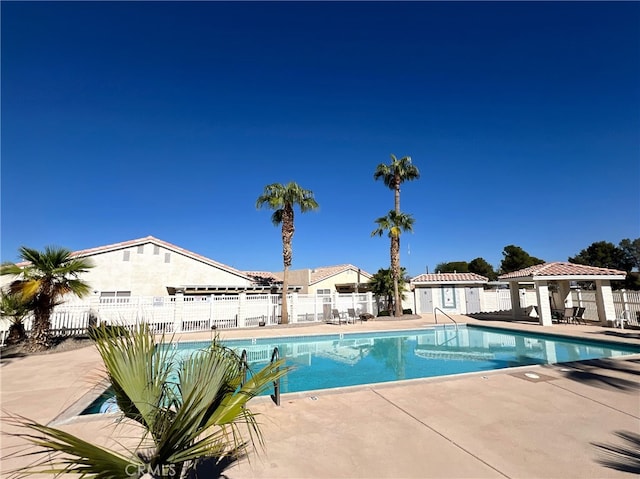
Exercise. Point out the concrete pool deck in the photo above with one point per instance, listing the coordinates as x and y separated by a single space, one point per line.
493 424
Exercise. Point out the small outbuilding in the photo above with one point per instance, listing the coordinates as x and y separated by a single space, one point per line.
457 293
562 274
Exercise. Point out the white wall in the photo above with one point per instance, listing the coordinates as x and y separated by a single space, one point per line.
437 298
148 274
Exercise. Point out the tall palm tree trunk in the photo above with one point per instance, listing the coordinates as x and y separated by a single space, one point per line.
40 337
395 265
395 272
285 307
287 257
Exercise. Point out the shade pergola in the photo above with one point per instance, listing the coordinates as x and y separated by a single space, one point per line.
563 273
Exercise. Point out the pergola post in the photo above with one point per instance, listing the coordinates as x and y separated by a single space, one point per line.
604 301
544 308
515 300
564 290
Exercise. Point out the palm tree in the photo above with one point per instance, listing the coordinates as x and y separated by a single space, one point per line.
15 309
393 175
198 420
282 199
394 223
42 282
396 173
381 285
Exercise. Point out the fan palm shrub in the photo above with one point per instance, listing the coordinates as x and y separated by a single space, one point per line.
14 309
381 285
42 281
192 411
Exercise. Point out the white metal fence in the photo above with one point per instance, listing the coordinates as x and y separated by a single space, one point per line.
198 313
202 313
492 300
626 303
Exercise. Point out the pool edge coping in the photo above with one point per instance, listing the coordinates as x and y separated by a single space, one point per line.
72 413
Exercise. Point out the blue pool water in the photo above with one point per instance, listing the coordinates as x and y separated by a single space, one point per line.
330 361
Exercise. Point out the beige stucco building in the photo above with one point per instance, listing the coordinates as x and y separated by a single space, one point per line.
152 267
325 280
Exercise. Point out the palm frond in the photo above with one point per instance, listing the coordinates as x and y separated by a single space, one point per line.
138 372
64 453
13 306
33 256
27 288
276 217
10 269
74 266
219 430
394 223
277 196
78 287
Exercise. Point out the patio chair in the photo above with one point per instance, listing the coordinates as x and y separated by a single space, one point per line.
620 322
567 315
337 316
578 316
352 316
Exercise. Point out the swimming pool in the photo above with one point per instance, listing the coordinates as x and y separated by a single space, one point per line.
351 359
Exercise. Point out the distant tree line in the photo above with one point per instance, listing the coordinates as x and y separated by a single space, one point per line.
625 257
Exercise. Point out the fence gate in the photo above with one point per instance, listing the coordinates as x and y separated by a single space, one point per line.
426 300
472 296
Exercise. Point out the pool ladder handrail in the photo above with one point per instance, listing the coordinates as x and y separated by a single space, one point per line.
244 364
275 356
435 316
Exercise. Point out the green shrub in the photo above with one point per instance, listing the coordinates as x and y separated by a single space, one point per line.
407 311
384 313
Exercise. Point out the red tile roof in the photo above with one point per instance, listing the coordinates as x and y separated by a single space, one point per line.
560 268
324 272
317 274
449 278
264 276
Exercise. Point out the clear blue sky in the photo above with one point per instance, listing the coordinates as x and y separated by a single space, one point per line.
122 120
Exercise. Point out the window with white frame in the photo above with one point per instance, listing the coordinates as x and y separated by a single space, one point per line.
115 296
